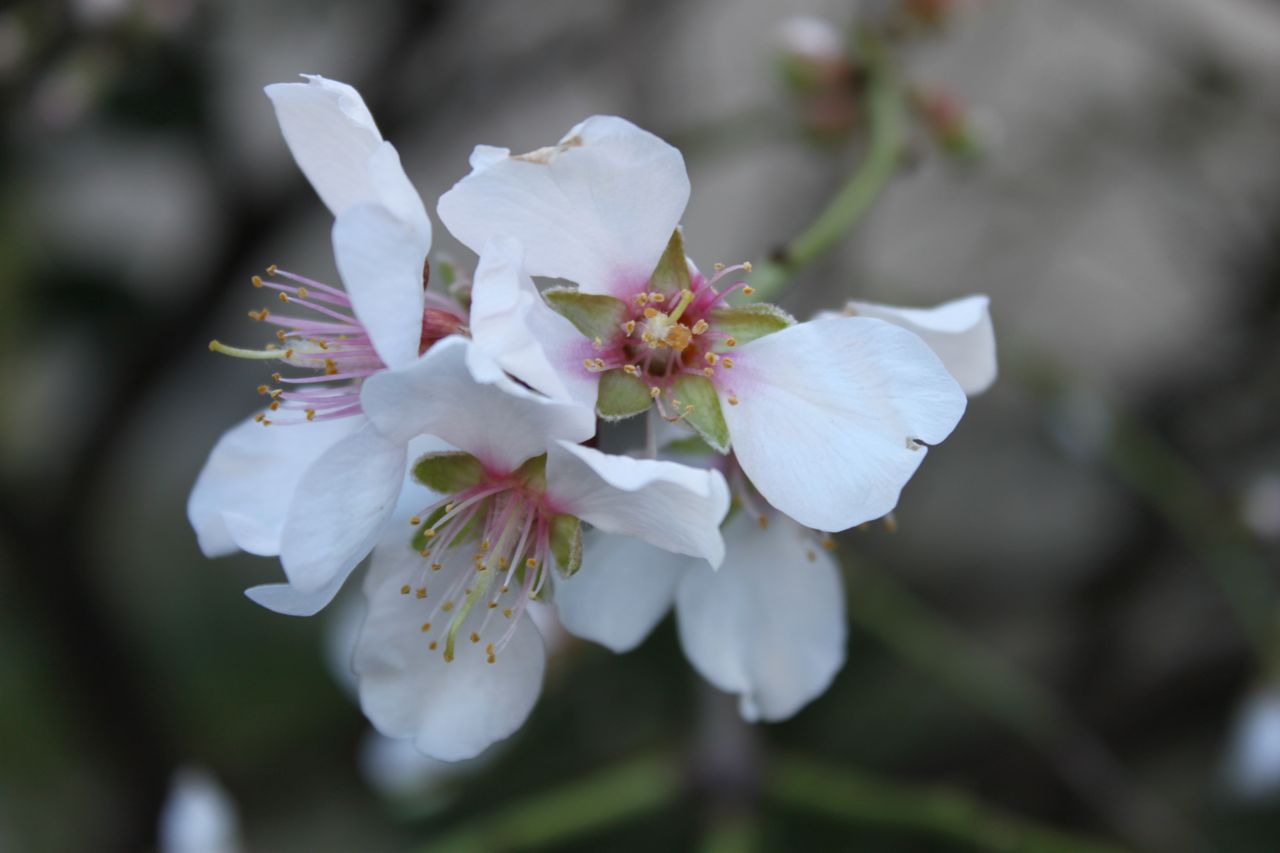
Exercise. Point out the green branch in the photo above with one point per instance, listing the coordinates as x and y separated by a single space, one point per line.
937 812
576 809
886 117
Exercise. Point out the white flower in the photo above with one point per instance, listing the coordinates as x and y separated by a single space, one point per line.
829 418
959 332
198 816
768 625
448 655
244 497
1253 754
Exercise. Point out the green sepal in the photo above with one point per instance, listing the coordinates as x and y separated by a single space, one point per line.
449 472
595 315
748 322
692 445
705 416
621 395
672 274
533 473
566 544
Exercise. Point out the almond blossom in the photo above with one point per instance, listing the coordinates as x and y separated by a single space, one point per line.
448 655
828 418
331 340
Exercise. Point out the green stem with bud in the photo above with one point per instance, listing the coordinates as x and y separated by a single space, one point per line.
886 112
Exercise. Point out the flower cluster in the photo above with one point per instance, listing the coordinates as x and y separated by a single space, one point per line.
452 431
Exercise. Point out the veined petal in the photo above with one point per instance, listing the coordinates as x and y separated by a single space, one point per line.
769 625
828 414
333 138
623 590
243 492
380 258
451 710
675 507
959 332
530 340
597 209
460 395
340 507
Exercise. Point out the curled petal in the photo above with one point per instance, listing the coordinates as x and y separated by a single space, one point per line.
514 326
673 506
769 625
458 394
597 209
340 507
242 495
826 416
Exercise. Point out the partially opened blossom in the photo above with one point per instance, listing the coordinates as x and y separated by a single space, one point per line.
768 625
828 418
448 655
959 332
328 341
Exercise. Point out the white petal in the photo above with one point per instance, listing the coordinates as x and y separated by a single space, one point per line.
514 326
340 507
959 332
672 506
827 413
624 588
458 394
242 494
452 710
288 600
333 137
198 815
598 209
769 625
380 258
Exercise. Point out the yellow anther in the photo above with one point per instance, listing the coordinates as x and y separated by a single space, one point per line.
262 389
728 363
650 313
302 293
829 544
421 592
475 638
588 363
259 315
708 372
435 567
505 589
271 270
415 521
311 414
485 545
259 417
629 327
447 606
746 266
429 533
434 645
763 521
488 650
404 590
493 605
733 400
275 377
700 327
256 281
330 367
657 297
717 267
597 343
426 626
748 290
531 563
506 611
287 353
275 406
731 342
631 370
284 297
282 336
655 392
711 358
600 364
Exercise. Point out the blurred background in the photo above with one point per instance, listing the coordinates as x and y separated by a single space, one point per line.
1071 636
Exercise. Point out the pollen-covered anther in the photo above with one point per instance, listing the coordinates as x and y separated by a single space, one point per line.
748 290
421 592
733 399
506 611
657 297
259 315
597 343
629 327
263 389
311 414
746 266
447 606
630 370
433 645
426 626
415 521
475 638
700 327
273 269
655 392
731 342
727 362
489 653
650 313
284 297
404 590
256 281
829 544
708 372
